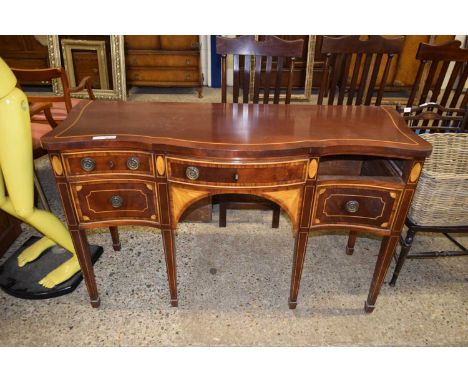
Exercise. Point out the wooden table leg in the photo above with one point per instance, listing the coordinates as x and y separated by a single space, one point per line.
115 238
80 242
169 251
387 248
300 248
351 242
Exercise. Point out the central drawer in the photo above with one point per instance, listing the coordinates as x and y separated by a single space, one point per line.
370 206
108 162
237 175
115 200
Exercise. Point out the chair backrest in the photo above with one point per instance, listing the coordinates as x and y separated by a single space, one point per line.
348 63
46 75
265 53
439 59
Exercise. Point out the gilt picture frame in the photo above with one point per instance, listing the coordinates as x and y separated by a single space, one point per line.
118 90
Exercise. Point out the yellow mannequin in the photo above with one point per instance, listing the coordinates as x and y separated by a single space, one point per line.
16 172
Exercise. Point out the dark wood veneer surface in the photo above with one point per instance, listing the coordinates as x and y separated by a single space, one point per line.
239 128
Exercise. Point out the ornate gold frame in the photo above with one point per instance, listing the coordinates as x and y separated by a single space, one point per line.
96 46
119 91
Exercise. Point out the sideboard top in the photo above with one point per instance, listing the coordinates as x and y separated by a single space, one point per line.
237 129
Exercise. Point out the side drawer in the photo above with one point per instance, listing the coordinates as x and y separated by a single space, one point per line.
370 206
240 175
115 200
108 162
142 59
163 74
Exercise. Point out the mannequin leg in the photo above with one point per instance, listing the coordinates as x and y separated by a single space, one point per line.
16 165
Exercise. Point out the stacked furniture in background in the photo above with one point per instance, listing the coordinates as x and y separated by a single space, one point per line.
163 61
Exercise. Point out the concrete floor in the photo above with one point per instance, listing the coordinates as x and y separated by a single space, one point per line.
233 289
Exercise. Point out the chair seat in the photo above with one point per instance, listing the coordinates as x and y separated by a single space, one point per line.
58 111
38 130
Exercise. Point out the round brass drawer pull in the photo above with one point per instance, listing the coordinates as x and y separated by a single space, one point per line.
235 178
117 201
192 173
88 164
352 206
133 163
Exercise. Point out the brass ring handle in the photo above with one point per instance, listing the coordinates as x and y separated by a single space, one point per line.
88 164
117 201
352 206
133 163
192 173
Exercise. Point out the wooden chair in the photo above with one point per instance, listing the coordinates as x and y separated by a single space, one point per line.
267 59
356 71
436 61
439 102
48 110
61 105
440 201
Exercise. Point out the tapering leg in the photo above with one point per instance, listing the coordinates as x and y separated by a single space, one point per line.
222 214
115 238
276 216
80 242
351 241
405 248
169 251
387 248
300 247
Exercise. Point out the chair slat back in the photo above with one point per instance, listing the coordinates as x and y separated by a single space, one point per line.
447 89
249 54
46 75
356 71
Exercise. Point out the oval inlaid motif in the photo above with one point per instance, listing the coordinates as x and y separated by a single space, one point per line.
415 171
57 165
160 166
313 165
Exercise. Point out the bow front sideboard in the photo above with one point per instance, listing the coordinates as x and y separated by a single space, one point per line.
327 167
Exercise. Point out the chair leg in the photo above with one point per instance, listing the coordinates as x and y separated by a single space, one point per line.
405 248
222 214
351 241
276 216
40 193
115 238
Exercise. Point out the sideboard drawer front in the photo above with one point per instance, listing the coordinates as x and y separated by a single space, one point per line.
241 175
165 60
112 200
357 205
163 74
109 162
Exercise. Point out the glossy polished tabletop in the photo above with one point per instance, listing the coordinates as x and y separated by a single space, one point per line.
237 128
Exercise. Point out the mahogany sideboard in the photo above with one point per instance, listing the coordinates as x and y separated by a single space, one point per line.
328 167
